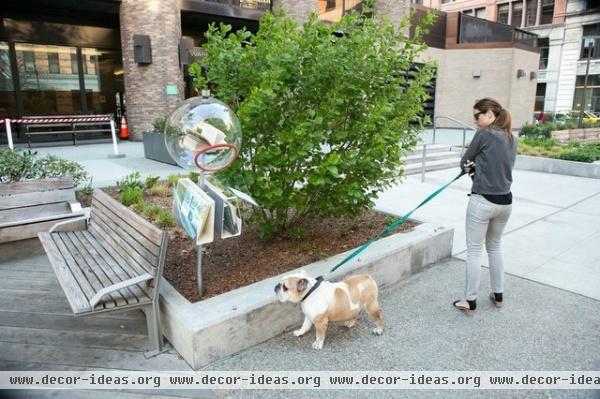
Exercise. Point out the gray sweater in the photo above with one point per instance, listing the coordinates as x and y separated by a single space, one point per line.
494 158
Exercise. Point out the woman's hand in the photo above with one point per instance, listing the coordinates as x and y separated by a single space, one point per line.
469 167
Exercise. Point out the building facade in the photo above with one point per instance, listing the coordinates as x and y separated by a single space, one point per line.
564 27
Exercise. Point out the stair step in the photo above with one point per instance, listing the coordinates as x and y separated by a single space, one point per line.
416 157
414 168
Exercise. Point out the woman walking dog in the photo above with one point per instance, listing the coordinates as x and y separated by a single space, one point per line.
489 160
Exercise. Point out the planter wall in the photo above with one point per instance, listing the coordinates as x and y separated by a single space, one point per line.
558 166
587 135
218 327
155 149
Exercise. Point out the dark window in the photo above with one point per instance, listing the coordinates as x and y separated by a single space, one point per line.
544 46
29 60
517 14
74 64
540 96
53 64
547 11
502 14
531 12
467 12
590 41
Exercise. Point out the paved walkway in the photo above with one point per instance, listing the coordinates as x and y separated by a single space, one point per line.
551 320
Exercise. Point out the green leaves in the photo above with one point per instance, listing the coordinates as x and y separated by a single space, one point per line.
325 116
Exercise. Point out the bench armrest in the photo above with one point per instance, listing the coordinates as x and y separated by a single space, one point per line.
119 286
78 223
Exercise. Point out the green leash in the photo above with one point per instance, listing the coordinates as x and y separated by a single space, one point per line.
395 223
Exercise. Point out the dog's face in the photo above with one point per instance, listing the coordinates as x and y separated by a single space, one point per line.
292 288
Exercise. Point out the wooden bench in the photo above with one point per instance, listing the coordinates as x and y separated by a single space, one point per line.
112 264
28 207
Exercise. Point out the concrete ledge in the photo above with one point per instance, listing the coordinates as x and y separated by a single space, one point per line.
217 327
558 166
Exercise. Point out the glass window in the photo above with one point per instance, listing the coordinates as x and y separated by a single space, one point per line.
467 12
590 41
592 93
53 63
544 46
47 82
480 13
8 104
547 11
74 64
531 12
517 14
103 79
502 14
540 97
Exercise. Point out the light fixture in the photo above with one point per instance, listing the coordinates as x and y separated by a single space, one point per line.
521 73
476 73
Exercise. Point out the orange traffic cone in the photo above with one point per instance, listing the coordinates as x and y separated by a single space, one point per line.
123 131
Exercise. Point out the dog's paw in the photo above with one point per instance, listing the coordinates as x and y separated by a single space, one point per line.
318 345
350 323
377 331
298 333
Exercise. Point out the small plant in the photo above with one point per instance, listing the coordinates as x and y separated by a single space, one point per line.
139 206
298 232
159 125
165 220
83 194
173 179
132 180
194 176
160 190
131 195
151 211
151 181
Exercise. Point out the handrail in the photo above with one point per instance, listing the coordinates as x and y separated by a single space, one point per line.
464 125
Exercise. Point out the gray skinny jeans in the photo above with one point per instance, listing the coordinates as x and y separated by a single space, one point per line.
485 223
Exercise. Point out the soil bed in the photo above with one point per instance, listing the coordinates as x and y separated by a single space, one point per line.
243 260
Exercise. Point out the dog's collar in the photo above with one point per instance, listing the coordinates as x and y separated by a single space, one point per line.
313 288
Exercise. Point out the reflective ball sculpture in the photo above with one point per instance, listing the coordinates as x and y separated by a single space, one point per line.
203 133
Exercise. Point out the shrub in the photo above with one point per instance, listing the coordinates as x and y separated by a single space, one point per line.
173 179
194 176
139 206
17 164
578 155
151 181
326 116
131 195
159 125
132 180
151 211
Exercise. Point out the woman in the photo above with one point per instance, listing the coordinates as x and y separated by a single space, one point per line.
489 160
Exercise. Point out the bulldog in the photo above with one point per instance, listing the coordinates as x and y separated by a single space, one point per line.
323 302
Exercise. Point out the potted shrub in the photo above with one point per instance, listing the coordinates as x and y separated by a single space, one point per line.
154 143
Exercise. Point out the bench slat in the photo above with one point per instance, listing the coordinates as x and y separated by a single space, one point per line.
86 271
94 267
75 295
27 186
137 239
115 272
147 229
36 198
28 214
121 244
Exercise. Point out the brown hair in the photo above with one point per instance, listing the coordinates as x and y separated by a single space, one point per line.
503 118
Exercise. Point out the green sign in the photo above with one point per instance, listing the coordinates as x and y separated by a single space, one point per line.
171 90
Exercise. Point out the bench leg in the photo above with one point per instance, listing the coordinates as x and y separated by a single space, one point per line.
154 330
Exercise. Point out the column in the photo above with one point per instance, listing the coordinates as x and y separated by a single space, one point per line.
146 85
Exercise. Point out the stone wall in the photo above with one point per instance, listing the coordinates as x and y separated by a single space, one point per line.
145 85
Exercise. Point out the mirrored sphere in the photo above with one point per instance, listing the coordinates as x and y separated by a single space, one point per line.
203 133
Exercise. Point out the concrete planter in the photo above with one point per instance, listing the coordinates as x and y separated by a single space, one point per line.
558 166
155 149
217 327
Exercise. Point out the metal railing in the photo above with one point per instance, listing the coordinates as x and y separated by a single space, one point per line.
464 125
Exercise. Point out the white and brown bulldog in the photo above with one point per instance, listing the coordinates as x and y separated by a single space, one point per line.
324 302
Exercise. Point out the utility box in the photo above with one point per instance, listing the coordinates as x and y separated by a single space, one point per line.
142 50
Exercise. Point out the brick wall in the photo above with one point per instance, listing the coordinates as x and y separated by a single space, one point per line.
146 97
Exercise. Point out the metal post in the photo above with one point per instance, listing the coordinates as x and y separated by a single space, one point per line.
590 46
201 181
462 150
9 134
423 163
114 140
433 131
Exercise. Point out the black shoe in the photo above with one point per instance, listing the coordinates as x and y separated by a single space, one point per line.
496 297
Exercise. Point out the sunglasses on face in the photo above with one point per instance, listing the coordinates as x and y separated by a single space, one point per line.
476 115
